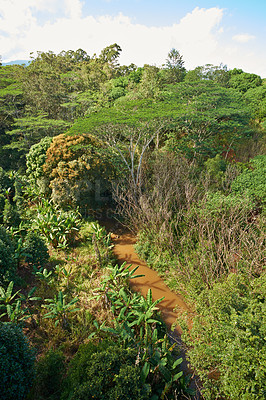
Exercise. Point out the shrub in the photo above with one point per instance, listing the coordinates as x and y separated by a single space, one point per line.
36 158
59 227
252 182
5 181
49 376
105 372
16 363
7 261
11 216
35 249
2 206
228 337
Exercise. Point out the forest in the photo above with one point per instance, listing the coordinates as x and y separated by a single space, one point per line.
178 157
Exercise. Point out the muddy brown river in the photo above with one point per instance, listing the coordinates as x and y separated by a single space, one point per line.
124 251
171 306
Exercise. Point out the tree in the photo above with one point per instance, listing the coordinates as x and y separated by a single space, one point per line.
174 68
109 55
218 74
212 120
36 158
256 98
130 145
243 81
73 166
8 263
11 107
28 131
151 82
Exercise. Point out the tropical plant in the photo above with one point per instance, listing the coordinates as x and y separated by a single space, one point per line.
43 274
8 263
137 325
36 251
16 306
59 227
59 309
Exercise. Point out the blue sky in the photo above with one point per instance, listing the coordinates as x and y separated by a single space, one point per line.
229 32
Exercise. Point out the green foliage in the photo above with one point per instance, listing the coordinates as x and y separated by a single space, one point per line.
228 337
28 131
252 181
16 363
60 228
138 325
209 72
12 309
36 158
151 82
244 81
119 86
5 181
35 249
48 383
11 215
209 122
11 187
256 98
11 105
59 309
105 372
11 304
6 296
216 168
174 67
2 206
74 166
8 263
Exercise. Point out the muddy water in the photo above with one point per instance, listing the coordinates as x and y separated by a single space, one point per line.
124 251
171 306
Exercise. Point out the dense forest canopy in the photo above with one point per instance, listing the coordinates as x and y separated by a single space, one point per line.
179 157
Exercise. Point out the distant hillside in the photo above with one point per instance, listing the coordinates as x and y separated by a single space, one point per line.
19 62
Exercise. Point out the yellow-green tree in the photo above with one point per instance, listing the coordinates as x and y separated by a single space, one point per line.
78 169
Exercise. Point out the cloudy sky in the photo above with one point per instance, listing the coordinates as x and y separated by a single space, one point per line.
232 32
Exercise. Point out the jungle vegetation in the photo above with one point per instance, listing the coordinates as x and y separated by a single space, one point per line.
178 156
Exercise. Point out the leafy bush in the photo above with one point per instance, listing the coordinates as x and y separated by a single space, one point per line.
36 158
252 182
5 181
227 340
59 227
105 372
7 261
11 215
49 376
2 206
35 249
137 325
16 363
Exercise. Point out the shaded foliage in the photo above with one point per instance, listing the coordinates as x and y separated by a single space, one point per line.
16 363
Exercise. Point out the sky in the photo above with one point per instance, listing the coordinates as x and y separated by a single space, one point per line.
231 32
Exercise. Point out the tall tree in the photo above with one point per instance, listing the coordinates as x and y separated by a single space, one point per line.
174 67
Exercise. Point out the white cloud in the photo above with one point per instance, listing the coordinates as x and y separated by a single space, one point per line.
73 9
141 44
243 38
197 35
